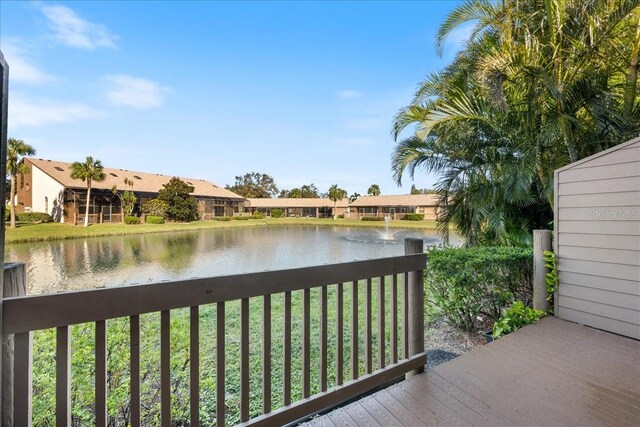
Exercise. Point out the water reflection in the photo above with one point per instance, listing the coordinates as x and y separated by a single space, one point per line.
123 260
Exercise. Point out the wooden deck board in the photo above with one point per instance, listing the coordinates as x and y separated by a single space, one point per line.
552 373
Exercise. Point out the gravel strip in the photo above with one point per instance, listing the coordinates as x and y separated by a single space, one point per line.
445 342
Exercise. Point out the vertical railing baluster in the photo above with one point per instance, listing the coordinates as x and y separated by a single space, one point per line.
367 337
194 365
286 371
354 330
306 343
63 376
244 359
323 338
381 336
339 334
22 380
134 363
101 373
165 368
266 354
394 319
405 316
220 365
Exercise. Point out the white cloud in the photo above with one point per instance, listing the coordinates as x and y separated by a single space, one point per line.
24 112
71 30
349 94
20 66
457 39
135 92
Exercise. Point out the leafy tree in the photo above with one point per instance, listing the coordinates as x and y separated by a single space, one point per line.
16 148
374 190
354 197
127 198
415 190
306 191
534 89
181 206
254 185
336 193
89 171
155 207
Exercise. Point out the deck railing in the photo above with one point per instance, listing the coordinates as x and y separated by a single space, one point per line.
404 353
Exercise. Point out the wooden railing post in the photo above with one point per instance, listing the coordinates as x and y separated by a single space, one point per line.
16 372
541 243
4 105
416 304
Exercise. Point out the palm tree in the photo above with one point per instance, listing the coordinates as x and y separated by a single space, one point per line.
336 193
541 83
89 171
16 148
374 190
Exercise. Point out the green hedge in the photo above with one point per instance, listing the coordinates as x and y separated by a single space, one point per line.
467 283
29 216
372 218
413 217
154 219
276 213
131 219
222 218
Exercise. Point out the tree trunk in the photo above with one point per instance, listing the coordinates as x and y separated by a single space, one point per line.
86 212
335 209
632 77
12 202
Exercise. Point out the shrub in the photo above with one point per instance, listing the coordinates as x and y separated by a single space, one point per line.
181 206
372 218
154 219
276 213
341 216
469 282
129 219
413 217
30 216
155 207
222 218
515 317
257 215
242 218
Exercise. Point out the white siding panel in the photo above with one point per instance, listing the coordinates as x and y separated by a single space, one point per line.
601 269
613 256
599 187
630 243
601 309
630 154
45 186
628 198
615 326
600 173
618 213
630 302
625 228
628 287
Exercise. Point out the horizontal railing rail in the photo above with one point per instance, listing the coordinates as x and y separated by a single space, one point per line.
392 276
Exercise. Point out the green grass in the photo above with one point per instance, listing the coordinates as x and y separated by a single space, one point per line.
56 231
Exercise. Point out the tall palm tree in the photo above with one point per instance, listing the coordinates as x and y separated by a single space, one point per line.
540 84
374 190
16 148
89 171
336 193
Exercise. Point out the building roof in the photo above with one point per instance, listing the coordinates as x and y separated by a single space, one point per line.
285 202
633 144
397 200
142 182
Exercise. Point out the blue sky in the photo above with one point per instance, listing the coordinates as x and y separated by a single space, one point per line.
302 91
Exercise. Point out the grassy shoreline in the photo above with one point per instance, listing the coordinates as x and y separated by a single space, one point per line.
26 233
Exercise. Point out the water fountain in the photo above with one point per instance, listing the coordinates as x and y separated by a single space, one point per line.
386 234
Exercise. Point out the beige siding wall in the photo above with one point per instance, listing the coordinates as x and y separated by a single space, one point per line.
598 241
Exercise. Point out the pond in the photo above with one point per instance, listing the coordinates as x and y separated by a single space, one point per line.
124 260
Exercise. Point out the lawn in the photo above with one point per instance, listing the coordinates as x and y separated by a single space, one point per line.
56 231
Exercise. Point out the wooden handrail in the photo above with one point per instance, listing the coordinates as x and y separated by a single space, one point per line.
22 315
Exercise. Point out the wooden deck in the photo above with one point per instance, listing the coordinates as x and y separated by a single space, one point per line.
552 373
